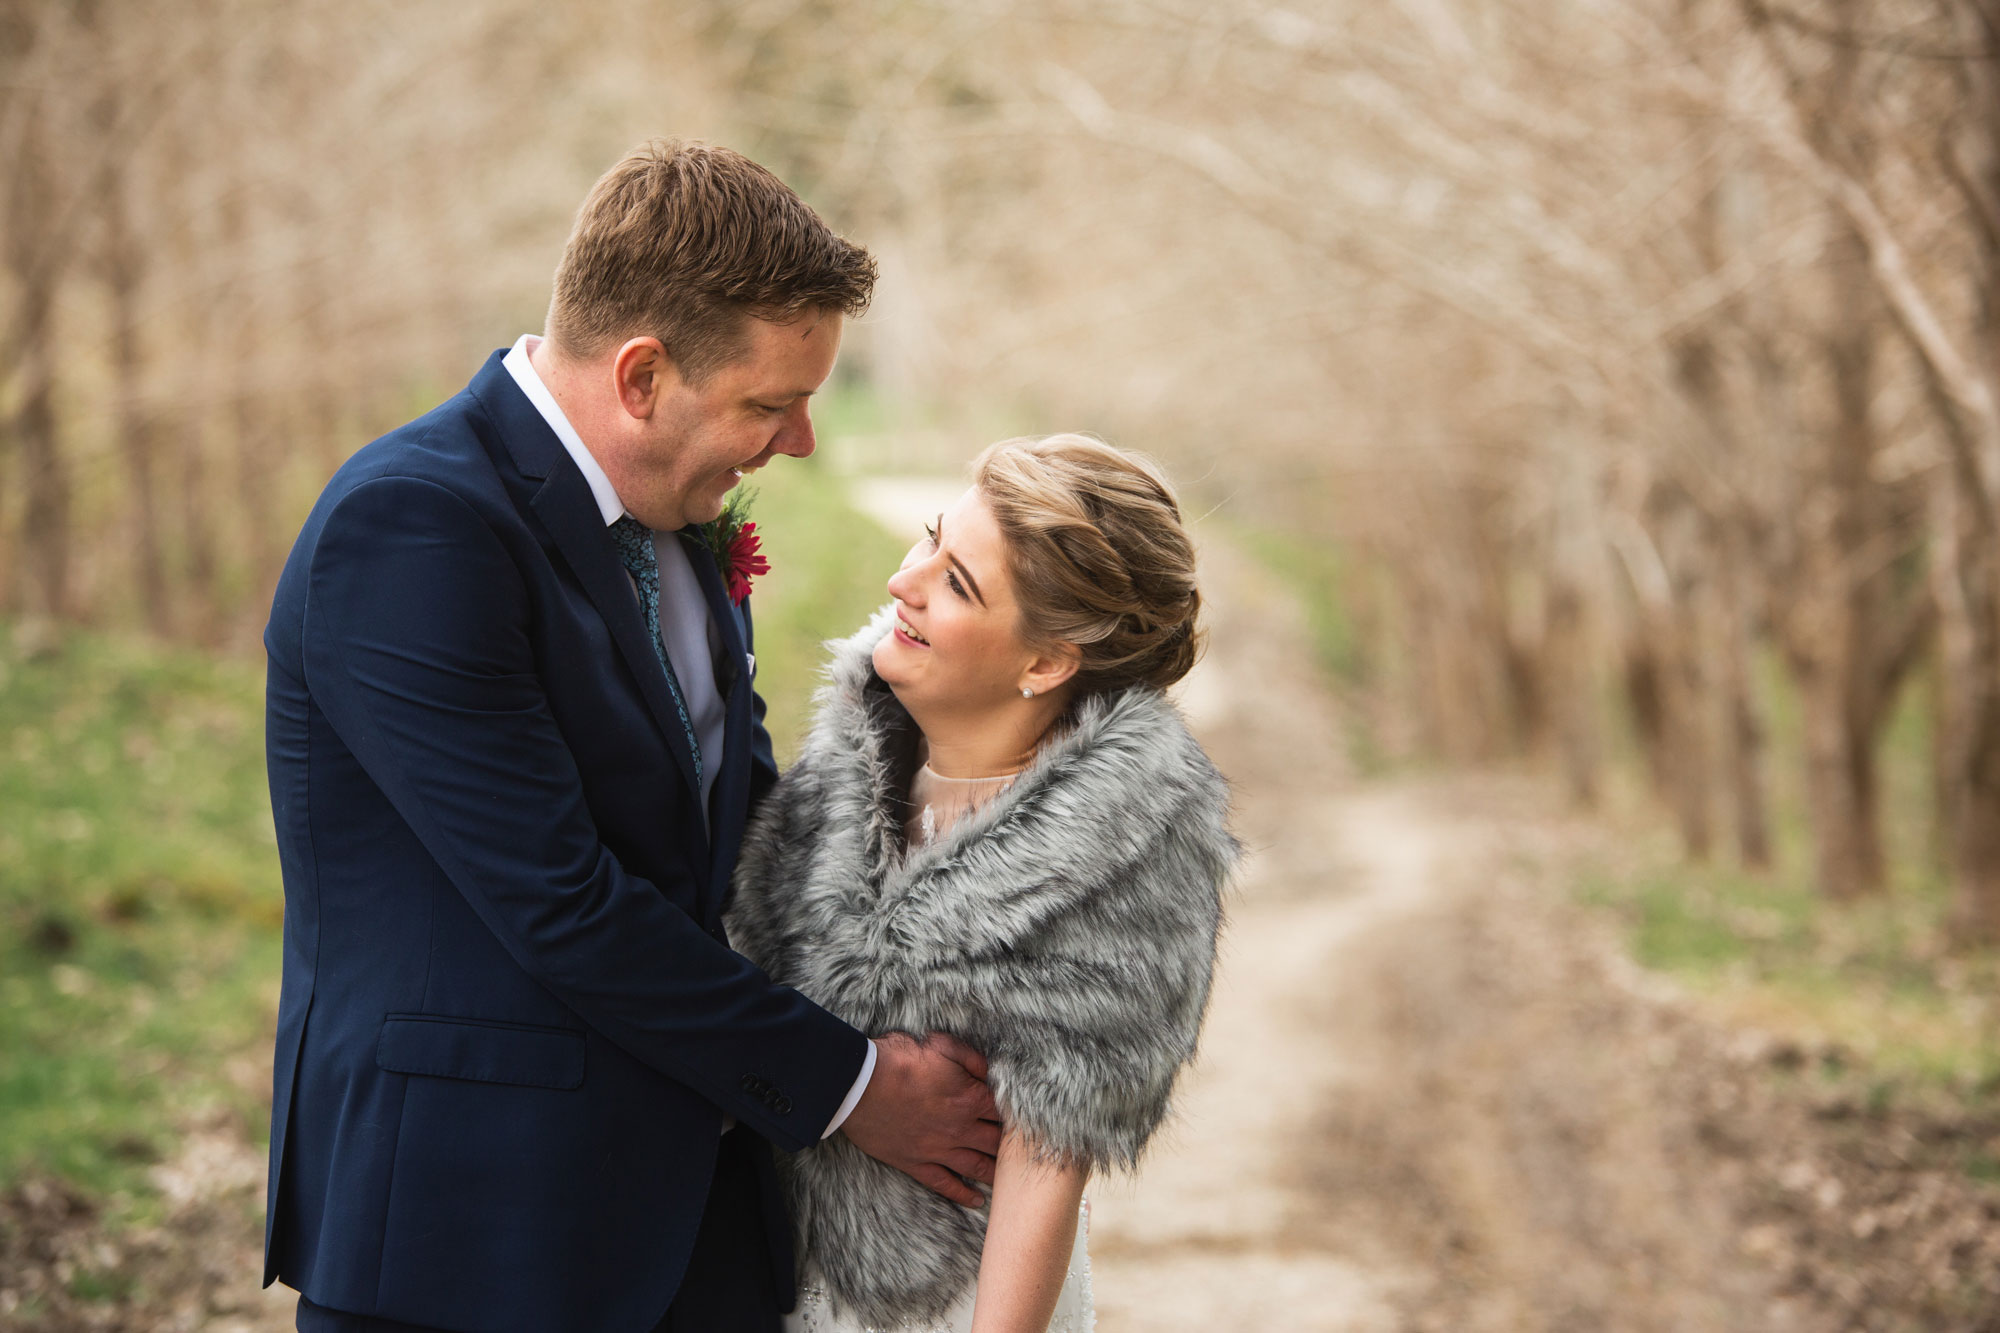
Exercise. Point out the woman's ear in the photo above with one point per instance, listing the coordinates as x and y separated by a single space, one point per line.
1052 669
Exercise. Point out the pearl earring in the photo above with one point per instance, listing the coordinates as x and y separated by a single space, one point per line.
1027 692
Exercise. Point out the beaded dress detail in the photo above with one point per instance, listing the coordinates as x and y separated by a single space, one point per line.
1075 1310
936 803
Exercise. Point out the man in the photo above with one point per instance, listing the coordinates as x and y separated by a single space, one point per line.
521 1080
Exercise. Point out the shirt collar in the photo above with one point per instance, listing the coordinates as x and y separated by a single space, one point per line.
523 371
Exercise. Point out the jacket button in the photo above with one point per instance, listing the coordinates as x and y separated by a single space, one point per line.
752 1084
781 1104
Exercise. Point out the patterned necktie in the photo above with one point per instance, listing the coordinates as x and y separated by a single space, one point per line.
635 547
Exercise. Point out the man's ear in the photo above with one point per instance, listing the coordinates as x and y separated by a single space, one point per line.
641 373
1053 668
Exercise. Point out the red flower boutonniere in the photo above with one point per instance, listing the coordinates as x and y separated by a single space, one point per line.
732 539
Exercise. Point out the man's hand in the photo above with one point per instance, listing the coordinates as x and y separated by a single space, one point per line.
928 1113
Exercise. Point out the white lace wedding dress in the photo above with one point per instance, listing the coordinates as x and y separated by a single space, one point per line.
937 802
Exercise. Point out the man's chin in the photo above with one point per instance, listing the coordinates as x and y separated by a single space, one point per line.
708 508
711 506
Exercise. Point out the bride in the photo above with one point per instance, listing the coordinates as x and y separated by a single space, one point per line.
1001 829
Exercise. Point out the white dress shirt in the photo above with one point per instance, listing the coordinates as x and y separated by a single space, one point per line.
688 638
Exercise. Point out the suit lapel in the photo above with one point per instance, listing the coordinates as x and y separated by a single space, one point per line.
730 802
569 512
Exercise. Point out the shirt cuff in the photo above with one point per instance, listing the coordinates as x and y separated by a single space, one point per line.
853 1093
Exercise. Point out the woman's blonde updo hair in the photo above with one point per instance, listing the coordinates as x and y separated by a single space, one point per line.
1098 555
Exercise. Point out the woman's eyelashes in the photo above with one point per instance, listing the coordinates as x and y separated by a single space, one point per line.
950 575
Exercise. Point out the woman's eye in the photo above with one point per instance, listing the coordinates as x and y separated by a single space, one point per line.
930 535
951 581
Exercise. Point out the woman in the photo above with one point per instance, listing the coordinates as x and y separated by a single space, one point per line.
1001 829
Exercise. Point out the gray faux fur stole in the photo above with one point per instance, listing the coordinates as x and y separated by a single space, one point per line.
1067 930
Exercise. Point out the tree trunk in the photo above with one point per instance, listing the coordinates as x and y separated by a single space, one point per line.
1676 619
45 519
1570 680
1977 904
1970 630
1744 732
254 456
1830 793
138 433
44 475
1720 612
1645 700
1572 693
1972 590
255 462
1871 859
202 618
1849 692
1667 690
1844 693
1689 735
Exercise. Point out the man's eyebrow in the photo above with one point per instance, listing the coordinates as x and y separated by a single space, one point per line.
959 565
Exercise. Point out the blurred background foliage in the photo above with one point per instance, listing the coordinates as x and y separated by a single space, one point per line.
1617 382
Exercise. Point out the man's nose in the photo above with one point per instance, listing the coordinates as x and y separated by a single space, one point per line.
797 437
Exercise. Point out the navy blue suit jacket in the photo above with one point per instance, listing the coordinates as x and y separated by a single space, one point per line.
510 1025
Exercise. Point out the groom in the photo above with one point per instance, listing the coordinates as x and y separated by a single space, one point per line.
522 1082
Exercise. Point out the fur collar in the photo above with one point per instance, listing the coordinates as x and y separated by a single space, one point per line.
1122 765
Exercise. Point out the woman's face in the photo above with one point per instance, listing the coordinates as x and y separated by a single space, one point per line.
956 646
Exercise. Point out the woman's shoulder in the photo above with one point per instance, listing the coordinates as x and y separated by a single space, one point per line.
1136 744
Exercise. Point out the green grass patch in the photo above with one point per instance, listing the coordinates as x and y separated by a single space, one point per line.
1874 977
140 903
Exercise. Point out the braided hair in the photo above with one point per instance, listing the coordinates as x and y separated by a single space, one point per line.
1099 557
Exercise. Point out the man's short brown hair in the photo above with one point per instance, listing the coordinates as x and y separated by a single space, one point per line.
680 241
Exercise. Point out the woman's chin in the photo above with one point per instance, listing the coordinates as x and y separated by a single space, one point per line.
887 653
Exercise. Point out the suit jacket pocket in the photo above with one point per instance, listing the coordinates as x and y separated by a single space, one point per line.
482 1050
